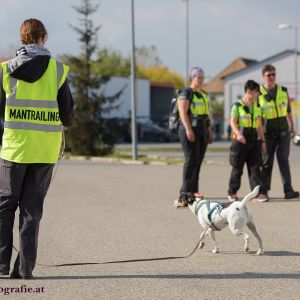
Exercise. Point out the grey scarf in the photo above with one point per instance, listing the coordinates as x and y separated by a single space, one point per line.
33 50
25 54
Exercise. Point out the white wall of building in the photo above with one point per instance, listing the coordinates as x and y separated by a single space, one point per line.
142 94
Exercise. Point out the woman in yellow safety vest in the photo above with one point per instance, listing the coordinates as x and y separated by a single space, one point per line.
37 105
194 132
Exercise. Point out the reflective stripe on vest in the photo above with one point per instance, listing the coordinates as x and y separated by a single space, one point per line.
11 101
273 108
32 127
199 106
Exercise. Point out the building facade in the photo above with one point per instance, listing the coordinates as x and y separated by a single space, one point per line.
285 64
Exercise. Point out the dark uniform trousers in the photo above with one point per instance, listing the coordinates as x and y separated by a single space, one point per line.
24 186
194 154
249 153
279 143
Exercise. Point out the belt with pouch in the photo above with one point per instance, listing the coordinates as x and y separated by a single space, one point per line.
199 121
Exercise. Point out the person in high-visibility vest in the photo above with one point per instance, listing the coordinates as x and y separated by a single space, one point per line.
194 132
248 140
37 105
279 128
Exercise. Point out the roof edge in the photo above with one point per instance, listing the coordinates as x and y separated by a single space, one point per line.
285 52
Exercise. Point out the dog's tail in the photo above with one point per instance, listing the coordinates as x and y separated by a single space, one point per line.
249 196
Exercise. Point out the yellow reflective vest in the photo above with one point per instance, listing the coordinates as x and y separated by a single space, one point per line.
245 118
199 105
274 108
32 127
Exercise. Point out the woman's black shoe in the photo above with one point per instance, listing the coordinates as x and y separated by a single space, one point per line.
15 275
291 195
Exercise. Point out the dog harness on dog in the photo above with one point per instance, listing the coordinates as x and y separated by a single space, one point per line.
219 206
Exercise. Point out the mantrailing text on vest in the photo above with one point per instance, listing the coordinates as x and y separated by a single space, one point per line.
28 114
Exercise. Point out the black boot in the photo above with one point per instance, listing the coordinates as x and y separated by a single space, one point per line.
15 273
291 195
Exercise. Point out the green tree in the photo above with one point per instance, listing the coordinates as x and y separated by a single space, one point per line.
112 64
217 107
161 74
149 66
147 56
89 135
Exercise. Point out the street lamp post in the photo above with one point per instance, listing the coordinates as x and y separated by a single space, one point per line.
289 26
133 89
187 42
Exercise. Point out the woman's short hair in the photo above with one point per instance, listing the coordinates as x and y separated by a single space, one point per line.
31 31
194 72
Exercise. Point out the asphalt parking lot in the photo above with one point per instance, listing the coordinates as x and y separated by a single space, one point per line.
98 212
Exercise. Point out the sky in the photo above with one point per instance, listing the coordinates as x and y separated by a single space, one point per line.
220 30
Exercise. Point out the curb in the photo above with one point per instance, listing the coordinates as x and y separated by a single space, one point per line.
104 159
131 162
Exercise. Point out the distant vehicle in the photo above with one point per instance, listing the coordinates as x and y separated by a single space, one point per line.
150 132
147 131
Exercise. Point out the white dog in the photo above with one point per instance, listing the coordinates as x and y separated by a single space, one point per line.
214 215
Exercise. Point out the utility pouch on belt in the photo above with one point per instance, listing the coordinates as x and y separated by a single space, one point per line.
199 121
